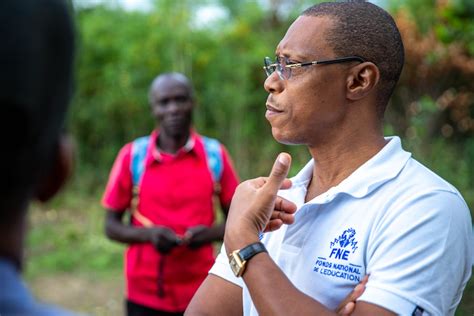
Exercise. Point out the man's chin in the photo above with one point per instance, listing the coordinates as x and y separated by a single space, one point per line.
282 138
176 128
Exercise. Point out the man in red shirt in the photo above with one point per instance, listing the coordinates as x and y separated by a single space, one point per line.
172 223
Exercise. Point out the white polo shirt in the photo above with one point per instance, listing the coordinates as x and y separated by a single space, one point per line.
392 218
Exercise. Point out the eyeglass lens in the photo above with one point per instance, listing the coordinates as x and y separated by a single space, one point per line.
283 71
269 66
279 65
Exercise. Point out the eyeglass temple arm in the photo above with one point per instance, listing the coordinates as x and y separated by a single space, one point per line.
342 60
327 62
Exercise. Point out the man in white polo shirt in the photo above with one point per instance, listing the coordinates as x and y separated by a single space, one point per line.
361 206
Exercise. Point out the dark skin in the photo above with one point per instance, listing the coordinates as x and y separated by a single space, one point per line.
172 103
332 111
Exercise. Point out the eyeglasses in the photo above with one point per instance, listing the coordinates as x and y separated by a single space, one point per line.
283 66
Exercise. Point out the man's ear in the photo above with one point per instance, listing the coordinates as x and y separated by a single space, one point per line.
59 171
361 80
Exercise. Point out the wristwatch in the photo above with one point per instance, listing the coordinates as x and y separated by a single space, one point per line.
238 258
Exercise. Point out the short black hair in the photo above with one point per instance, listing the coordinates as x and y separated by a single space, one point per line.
36 71
366 30
172 76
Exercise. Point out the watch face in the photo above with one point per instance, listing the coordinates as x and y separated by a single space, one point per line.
238 258
236 264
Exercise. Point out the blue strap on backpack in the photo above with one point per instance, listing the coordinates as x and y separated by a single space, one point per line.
137 162
212 148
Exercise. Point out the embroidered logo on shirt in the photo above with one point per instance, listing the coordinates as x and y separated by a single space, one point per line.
337 265
340 249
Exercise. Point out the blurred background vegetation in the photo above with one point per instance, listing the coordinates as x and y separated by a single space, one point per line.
121 51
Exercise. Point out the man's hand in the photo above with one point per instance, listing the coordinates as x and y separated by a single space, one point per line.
196 236
279 215
256 208
164 239
347 306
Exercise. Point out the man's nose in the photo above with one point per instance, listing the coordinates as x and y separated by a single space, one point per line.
273 83
173 105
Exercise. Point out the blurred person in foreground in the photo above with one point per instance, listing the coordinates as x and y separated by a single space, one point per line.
169 181
361 206
36 58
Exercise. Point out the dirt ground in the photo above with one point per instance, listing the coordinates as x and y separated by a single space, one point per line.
84 295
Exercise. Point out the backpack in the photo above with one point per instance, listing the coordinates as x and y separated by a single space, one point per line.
212 149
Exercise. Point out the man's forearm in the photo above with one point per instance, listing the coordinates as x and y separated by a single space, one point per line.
273 294
117 231
216 232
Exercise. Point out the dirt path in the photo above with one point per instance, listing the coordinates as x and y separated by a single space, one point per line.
81 294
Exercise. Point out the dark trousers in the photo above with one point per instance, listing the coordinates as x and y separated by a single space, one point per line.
134 309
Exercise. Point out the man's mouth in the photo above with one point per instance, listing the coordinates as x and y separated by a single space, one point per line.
271 110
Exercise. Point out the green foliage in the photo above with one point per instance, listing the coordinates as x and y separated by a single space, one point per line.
457 25
434 97
121 52
420 10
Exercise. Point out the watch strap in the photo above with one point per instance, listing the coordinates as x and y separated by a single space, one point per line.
251 250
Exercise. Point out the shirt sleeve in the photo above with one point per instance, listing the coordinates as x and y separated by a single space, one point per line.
420 257
118 192
229 179
222 269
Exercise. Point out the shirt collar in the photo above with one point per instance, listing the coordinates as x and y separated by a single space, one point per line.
382 167
156 153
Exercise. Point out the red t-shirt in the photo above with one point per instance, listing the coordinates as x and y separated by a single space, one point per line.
176 191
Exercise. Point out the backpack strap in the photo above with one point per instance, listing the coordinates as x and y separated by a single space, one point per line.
212 147
137 161
137 167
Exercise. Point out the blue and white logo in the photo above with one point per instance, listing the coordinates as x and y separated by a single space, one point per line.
344 245
337 265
